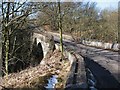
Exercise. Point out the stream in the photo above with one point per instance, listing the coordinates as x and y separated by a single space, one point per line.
51 82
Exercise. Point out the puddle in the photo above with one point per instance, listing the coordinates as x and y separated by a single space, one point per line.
51 82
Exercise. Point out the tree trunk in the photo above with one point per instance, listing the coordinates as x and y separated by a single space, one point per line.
7 41
60 29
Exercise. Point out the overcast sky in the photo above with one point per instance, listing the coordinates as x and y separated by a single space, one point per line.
102 4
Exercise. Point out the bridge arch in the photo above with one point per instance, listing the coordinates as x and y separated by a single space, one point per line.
47 42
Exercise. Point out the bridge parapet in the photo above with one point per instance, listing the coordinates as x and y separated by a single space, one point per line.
77 76
111 46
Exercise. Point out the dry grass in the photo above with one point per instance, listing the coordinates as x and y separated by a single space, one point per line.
37 76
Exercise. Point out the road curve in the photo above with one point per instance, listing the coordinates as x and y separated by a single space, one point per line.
104 64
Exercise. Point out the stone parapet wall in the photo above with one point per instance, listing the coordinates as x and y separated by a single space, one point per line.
75 79
111 46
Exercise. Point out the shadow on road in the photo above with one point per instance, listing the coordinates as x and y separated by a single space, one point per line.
104 78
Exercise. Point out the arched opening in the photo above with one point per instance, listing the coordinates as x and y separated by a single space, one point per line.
37 53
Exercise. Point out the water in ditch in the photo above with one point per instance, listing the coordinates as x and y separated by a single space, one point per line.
52 81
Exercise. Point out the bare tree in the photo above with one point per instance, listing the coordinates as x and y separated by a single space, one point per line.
60 28
14 16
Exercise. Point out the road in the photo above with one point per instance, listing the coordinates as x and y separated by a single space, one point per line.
104 64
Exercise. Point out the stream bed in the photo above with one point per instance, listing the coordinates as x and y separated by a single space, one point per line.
51 82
